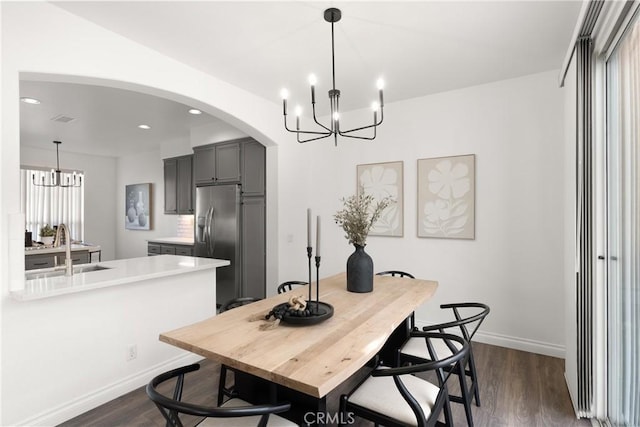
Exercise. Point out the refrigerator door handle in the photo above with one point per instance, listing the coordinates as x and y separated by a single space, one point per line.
212 231
207 233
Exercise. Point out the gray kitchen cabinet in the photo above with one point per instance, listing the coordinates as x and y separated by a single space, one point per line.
253 247
178 185
253 168
170 186
217 163
168 249
33 262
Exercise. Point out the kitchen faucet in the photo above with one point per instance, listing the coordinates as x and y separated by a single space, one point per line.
68 262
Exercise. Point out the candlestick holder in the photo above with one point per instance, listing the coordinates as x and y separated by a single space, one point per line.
316 311
317 283
309 251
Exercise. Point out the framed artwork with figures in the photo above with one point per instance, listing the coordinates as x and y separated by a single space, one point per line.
446 197
137 207
382 180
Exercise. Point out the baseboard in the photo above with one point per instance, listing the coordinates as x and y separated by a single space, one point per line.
75 407
515 343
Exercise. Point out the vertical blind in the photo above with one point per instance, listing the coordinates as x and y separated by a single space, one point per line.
584 227
51 205
623 88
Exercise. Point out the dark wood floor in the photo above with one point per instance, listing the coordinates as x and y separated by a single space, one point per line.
516 389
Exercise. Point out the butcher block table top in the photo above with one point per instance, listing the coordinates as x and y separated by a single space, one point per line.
311 359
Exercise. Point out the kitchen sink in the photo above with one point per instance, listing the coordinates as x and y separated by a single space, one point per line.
59 271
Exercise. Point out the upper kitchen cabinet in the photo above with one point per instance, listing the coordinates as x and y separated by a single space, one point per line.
178 185
217 163
253 169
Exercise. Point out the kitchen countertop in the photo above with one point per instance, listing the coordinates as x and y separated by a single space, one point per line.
40 250
173 240
118 272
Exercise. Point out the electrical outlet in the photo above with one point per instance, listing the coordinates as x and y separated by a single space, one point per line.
132 352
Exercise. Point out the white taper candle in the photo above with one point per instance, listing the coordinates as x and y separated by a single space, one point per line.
308 227
318 236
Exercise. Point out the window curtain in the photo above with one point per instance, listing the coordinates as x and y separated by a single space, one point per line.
51 205
623 70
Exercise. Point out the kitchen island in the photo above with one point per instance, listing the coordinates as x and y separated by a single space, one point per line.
94 335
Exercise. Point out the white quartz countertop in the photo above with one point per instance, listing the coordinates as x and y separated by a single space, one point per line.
173 240
41 250
118 272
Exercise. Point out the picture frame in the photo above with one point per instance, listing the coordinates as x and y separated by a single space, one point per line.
382 180
446 197
137 206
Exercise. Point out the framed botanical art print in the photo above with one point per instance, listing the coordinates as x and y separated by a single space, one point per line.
382 180
137 207
446 197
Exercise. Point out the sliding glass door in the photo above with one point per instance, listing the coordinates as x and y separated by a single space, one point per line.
623 172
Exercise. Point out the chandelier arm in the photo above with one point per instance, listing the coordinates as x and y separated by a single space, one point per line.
302 141
313 109
369 138
327 133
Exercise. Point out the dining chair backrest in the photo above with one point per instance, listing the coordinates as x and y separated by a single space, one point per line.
468 325
287 286
172 407
237 302
395 273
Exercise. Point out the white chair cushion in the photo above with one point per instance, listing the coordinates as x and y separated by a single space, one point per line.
381 395
417 347
274 420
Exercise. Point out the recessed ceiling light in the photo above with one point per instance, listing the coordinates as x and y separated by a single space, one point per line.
27 100
145 127
195 111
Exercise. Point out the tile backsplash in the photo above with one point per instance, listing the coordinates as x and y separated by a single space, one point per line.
185 226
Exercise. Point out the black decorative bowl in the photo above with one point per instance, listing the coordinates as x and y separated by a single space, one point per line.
319 312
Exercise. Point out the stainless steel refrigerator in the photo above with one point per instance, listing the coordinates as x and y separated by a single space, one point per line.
217 235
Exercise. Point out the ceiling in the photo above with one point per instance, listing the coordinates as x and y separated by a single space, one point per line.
105 120
418 47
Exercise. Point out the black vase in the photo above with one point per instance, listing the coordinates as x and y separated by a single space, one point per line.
359 271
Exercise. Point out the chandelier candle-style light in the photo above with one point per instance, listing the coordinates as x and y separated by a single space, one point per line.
56 175
332 15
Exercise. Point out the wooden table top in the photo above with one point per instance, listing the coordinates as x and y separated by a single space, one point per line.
311 359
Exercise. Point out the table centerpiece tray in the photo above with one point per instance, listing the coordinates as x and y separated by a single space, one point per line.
318 312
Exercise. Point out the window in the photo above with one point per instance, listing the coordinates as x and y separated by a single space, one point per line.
51 205
623 268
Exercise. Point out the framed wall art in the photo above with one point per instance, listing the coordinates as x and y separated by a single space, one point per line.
137 207
382 180
446 197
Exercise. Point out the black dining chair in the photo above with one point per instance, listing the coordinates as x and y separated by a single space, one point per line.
287 286
233 413
413 350
223 390
237 302
397 397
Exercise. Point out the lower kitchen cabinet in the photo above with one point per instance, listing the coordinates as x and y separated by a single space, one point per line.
167 249
33 262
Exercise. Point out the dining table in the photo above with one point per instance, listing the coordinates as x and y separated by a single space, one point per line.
309 359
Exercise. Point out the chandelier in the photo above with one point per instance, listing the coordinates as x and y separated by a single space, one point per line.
56 175
332 15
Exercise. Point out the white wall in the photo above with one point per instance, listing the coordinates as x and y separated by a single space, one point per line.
99 192
215 132
515 264
139 169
